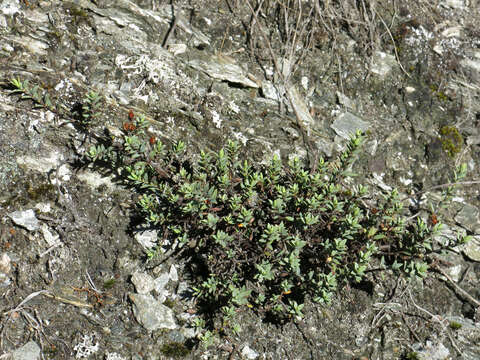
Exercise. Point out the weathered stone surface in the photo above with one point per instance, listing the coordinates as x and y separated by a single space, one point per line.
472 249
143 282
383 63
347 124
222 67
29 351
152 314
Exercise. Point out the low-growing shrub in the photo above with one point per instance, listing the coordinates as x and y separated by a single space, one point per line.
266 236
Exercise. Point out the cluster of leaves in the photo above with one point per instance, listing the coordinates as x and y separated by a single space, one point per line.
35 93
266 236
88 113
90 110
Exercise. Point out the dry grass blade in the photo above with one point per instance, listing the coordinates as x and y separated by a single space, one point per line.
24 301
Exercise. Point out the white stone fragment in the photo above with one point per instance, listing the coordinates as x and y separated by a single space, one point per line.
30 351
271 91
304 82
148 239
5 263
43 207
41 164
143 282
9 7
249 353
160 282
455 4
177 49
3 24
454 31
95 180
51 239
26 218
152 314
173 275
301 110
382 63
347 124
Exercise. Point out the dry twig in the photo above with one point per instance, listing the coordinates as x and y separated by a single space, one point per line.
464 294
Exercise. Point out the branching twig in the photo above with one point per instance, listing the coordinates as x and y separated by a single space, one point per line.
24 301
437 318
469 298
394 44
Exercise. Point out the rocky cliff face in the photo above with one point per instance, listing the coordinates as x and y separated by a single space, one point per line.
286 80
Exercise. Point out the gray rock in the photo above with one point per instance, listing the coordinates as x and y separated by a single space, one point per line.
468 332
300 109
472 249
29 351
249 353
472 67
161 281
325 146
152 314
147 239
51 238
454 272
176 336
452 264
447 235
94 180
271 91
189 333
183 290
466 324
222 67
345 101
468 217
173 275
26 219
4 280
347 124
143 282
382 63
10 7
177 49
43 164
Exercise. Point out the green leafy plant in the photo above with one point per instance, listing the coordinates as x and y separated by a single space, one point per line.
35 93
267 237
90 108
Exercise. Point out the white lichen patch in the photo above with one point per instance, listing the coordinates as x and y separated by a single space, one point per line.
87 347
216 119
234 107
